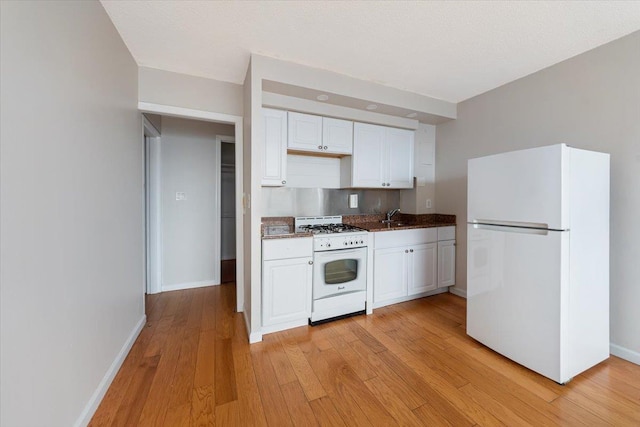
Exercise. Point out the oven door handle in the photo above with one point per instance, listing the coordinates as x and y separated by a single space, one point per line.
340 252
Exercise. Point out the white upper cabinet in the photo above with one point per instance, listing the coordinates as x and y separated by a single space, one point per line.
400 146
368 156
337 136
274 157
305 132
382 158
319 135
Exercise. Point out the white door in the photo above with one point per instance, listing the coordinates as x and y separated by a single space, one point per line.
422 268
399 158
274 158
337 136
516 291
368 156
286 290
305 132
446 263
526 186
390 274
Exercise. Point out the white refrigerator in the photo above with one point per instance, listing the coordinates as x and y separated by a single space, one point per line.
538 257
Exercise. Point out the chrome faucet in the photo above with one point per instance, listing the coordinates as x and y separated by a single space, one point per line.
391 213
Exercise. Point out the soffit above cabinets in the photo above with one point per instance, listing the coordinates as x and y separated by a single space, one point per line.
350 102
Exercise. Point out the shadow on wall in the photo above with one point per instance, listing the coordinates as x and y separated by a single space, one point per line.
451 195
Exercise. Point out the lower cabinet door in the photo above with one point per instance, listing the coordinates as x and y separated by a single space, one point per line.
286 292
390 274
446 263
423 264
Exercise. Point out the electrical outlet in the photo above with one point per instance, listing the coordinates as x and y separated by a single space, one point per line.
353 201
428 203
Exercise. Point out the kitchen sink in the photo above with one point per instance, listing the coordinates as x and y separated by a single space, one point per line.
394 223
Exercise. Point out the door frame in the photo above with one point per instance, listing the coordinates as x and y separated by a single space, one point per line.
153 211
236 121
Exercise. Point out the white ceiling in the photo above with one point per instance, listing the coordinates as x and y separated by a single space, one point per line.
448 50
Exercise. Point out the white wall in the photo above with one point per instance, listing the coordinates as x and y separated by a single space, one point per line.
250 234
591 101
180 90
71 210
189 233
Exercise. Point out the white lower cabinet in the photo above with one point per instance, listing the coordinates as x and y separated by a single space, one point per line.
287 271
410 263
422 268
446 256
446 263
389 274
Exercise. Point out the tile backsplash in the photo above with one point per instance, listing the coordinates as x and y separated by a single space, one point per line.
284 201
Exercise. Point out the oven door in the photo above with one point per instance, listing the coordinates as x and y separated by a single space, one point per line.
339 272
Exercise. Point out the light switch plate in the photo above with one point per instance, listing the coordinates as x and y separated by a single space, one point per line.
181 195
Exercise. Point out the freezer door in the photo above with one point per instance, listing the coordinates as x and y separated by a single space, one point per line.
526 186
516 290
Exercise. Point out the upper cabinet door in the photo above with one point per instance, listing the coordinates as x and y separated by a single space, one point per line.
400 158
368 156
274 159
337 136
305 132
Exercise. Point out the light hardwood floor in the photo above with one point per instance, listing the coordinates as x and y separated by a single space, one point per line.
407 364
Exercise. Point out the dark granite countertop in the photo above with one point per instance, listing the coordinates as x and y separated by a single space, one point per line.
401 221
283 228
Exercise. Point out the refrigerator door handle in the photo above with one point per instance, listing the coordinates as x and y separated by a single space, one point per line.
512 229
516 224
511 223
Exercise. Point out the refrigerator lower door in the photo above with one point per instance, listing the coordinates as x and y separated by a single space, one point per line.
516 290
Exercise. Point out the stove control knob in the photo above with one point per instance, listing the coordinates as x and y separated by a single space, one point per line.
328 245
345 243
361 242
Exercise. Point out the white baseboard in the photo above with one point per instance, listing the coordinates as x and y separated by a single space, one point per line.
253 336
460 292
97 396
189 285
625 353
406 298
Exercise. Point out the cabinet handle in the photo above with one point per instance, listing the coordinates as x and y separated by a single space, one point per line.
319 147
310 262
284 182
410 250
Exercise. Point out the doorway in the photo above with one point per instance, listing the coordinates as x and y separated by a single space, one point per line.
232 205
227 209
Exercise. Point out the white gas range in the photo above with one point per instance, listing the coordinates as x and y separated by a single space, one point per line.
339 267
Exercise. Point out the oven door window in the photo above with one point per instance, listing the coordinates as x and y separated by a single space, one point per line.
340 271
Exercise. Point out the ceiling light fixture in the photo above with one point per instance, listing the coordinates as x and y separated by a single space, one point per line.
412 115
322 97
372 107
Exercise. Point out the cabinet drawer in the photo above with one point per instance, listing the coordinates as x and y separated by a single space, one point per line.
447 233
416 236
287 248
